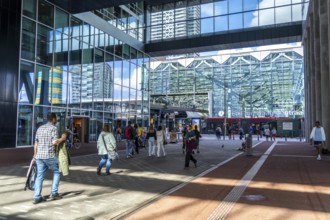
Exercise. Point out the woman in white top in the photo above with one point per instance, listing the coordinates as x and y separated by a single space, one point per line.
160 141
267 133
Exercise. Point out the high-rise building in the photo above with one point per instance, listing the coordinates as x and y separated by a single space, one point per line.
175 23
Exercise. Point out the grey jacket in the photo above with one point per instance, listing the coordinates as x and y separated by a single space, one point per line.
109 140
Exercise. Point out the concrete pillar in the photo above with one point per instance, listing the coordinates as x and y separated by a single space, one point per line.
317 61
324 61
306 42
311 102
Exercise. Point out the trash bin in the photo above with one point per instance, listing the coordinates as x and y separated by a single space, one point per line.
248 143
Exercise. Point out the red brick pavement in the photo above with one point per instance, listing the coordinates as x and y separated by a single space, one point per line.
291 184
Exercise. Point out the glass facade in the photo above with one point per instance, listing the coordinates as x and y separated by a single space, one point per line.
86 76
185 19
128 18
253 84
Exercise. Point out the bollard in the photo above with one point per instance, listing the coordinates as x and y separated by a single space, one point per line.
285 137
249 145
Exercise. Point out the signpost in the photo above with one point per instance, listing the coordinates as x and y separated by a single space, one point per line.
287 126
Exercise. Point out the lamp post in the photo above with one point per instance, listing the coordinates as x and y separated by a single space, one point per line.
225 112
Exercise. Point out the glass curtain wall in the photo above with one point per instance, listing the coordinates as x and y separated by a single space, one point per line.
79 72
128 18
184 19
257 84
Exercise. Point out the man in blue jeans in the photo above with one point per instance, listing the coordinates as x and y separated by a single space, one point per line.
44 154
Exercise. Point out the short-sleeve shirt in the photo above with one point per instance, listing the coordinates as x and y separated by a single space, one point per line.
46 134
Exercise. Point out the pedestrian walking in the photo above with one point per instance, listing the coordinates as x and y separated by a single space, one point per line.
160 141
318 136
198 135
218 132
190 146
106 146
151 137
118 133
274 133
45 156
267 133
129 139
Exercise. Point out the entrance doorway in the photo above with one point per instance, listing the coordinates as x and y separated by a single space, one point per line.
80 129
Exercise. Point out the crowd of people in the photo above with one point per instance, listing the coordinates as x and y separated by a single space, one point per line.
51 152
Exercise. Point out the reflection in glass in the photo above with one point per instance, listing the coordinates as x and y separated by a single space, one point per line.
221 7
296 12
44 45
235 6
28 39
74 87
126 73
26 88
46 13
236 21
117 92
29 8
61 20
133 76
81 83
207 25
118 71
24 127
61 45
281 2
57 86
283 14
266 4
221 23
251 19
250 5
266 17
42 95
207 10
125 95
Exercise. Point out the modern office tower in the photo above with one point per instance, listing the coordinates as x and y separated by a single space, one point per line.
175 23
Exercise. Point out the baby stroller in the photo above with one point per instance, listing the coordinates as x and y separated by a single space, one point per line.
173 138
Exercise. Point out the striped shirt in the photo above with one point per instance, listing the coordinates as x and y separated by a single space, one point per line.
46 134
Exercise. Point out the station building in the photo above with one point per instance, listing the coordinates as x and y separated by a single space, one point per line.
103 62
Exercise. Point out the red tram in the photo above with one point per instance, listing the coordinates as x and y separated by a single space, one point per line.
284 126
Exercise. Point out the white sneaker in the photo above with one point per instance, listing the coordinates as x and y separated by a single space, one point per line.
318 157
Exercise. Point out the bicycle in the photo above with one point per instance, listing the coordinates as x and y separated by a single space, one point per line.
76 143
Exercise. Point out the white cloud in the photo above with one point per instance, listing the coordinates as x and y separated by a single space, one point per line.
207 10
